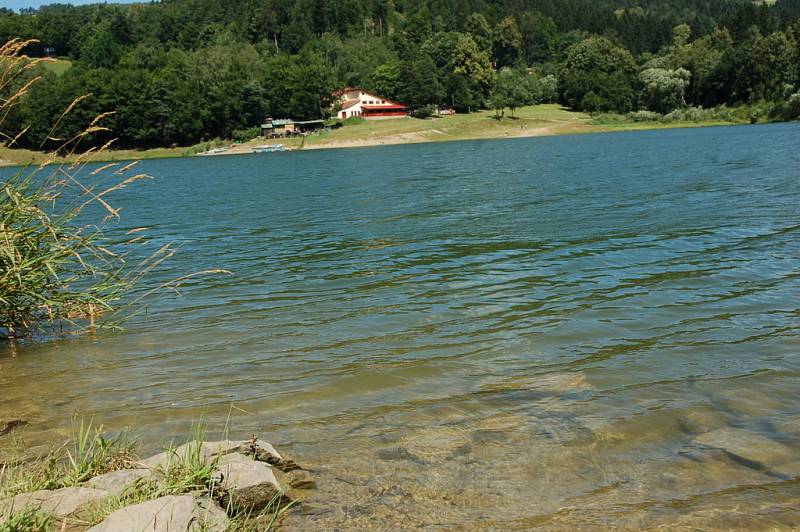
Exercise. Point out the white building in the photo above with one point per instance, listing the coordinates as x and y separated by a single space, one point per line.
357 102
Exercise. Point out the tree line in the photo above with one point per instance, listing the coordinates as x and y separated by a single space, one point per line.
179 71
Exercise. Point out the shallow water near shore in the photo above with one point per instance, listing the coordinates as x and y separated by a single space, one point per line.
592 331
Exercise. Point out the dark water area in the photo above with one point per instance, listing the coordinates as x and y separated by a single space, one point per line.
588 331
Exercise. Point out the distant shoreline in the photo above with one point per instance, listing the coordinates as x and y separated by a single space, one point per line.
534 121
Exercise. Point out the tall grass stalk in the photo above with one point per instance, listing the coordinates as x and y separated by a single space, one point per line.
57 268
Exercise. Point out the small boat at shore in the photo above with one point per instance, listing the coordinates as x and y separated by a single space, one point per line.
216 151
269 148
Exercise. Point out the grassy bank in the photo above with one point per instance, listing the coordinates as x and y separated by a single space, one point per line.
532 121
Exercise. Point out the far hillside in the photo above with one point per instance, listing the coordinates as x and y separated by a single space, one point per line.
181 72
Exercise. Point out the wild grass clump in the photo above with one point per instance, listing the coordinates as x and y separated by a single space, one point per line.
29 519
88 453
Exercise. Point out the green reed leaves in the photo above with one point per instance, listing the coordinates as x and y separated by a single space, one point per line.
59 267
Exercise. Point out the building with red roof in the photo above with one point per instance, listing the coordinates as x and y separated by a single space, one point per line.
352 101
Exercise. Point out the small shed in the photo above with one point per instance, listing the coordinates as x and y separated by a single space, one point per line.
308 126
277 127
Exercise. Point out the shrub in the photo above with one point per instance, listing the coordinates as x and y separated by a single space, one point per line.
600 119
793 107
788 110
686 114
243 135
353 120
424 112
644 116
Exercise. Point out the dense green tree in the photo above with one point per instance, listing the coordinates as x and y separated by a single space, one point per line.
473 68
98 46
480 30
599 76
386 80
664 89
506 42
539 37
420 84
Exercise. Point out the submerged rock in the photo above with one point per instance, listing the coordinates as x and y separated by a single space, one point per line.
703 420
61 503
7 427
500 423
166 514
117 482
299 479
746 446
789 426
247 485
548 384
435 443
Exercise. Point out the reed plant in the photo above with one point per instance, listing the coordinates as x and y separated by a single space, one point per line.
53 268
58 266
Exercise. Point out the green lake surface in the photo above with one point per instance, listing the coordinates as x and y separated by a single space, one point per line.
569 332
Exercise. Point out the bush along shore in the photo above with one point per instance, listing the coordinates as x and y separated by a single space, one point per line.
99 484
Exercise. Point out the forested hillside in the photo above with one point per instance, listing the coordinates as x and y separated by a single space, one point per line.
179 71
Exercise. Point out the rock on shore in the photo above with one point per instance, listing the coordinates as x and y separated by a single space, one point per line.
249 477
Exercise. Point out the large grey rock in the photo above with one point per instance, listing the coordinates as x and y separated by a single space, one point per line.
211 516
117 482
258 449
205 450
247 485
747 445
166 514
60 503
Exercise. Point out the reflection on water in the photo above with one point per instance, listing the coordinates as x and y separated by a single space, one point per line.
567 332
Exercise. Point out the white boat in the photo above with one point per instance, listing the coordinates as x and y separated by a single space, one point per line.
215 151
269 148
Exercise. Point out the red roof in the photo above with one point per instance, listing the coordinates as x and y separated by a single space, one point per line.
349 103
383 107
339 92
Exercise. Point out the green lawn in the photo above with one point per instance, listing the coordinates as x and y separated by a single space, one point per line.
57 66
549 119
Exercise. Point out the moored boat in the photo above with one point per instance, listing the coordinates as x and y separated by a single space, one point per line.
269 148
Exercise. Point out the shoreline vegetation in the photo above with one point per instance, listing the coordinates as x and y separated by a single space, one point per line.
530 121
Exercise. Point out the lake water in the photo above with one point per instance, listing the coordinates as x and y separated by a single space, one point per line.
588 331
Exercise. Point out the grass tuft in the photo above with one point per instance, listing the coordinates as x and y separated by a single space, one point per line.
91 454
29 519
